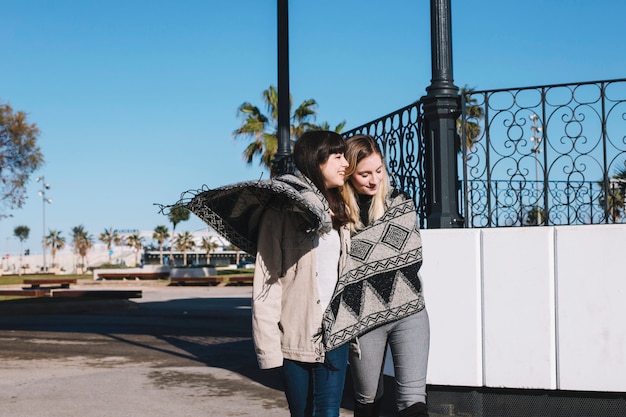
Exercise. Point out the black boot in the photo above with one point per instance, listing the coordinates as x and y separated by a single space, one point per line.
416 410
367 410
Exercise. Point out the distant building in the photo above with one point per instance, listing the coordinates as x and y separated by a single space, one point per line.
197 257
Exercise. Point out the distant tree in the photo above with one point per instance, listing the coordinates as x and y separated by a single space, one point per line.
237 252
615 197
82 242
208 245
536 216
161 234
110 237
20 156
135 242
473 115
55 242
262 129
184 242
21 232
177 214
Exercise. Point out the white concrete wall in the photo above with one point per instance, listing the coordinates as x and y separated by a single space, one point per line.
531 307
591 265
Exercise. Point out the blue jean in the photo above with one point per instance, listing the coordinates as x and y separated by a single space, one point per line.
316 389
408 339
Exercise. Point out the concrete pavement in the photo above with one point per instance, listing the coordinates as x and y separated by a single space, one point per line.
178 351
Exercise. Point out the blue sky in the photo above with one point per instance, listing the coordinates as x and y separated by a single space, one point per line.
136 100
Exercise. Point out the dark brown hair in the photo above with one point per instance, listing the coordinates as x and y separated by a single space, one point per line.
310 152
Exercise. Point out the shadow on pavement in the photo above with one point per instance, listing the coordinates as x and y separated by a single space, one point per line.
215 332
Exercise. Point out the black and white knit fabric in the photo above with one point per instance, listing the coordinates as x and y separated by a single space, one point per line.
234 211
381 283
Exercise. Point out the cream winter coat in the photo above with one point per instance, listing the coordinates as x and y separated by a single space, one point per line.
286 309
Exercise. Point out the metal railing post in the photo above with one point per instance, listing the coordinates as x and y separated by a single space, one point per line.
441 109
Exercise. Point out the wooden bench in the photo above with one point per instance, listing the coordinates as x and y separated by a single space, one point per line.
238 279
66 293
133 275
26 293
99 294
37 283
195 280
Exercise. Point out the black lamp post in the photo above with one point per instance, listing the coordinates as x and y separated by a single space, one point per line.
282 162
441 109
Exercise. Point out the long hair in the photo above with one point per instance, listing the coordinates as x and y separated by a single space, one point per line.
360 147
310 151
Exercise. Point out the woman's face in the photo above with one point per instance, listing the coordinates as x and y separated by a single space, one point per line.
368 175
334 170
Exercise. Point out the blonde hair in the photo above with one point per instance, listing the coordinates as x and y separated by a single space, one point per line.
359 148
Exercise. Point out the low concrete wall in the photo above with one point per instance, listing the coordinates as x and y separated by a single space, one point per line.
145 270
526 307
193 272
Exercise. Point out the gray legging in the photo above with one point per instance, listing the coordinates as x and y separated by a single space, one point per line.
408 339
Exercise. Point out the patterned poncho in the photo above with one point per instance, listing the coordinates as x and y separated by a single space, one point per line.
381 282
235 210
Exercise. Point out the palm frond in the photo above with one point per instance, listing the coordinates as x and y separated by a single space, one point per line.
253 149
270 98
304 111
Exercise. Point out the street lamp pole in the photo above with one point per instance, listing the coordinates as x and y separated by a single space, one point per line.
4 216
7 253
283 162
441 109
44 200
536 138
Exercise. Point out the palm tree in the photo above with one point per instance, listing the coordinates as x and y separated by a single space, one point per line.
21 232
237 252
110 237
135 242
208 245
536 216
184 241
262 129
615 196
160 235
55 241
473 115
82 242
177 215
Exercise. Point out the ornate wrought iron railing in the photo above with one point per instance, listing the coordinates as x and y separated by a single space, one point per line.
551 155
544 155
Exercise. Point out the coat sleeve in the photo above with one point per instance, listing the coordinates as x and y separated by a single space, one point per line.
267 292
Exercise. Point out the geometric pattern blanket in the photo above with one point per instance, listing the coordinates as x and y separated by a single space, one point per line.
381 283
235 210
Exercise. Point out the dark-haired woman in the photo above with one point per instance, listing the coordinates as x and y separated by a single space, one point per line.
295 277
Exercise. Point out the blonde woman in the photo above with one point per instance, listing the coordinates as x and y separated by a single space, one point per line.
379 301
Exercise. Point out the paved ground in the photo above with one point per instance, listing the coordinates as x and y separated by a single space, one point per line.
178 351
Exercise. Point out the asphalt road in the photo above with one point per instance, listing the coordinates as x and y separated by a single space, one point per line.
177 351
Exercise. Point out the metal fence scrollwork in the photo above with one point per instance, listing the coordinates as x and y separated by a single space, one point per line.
547 155
543 155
